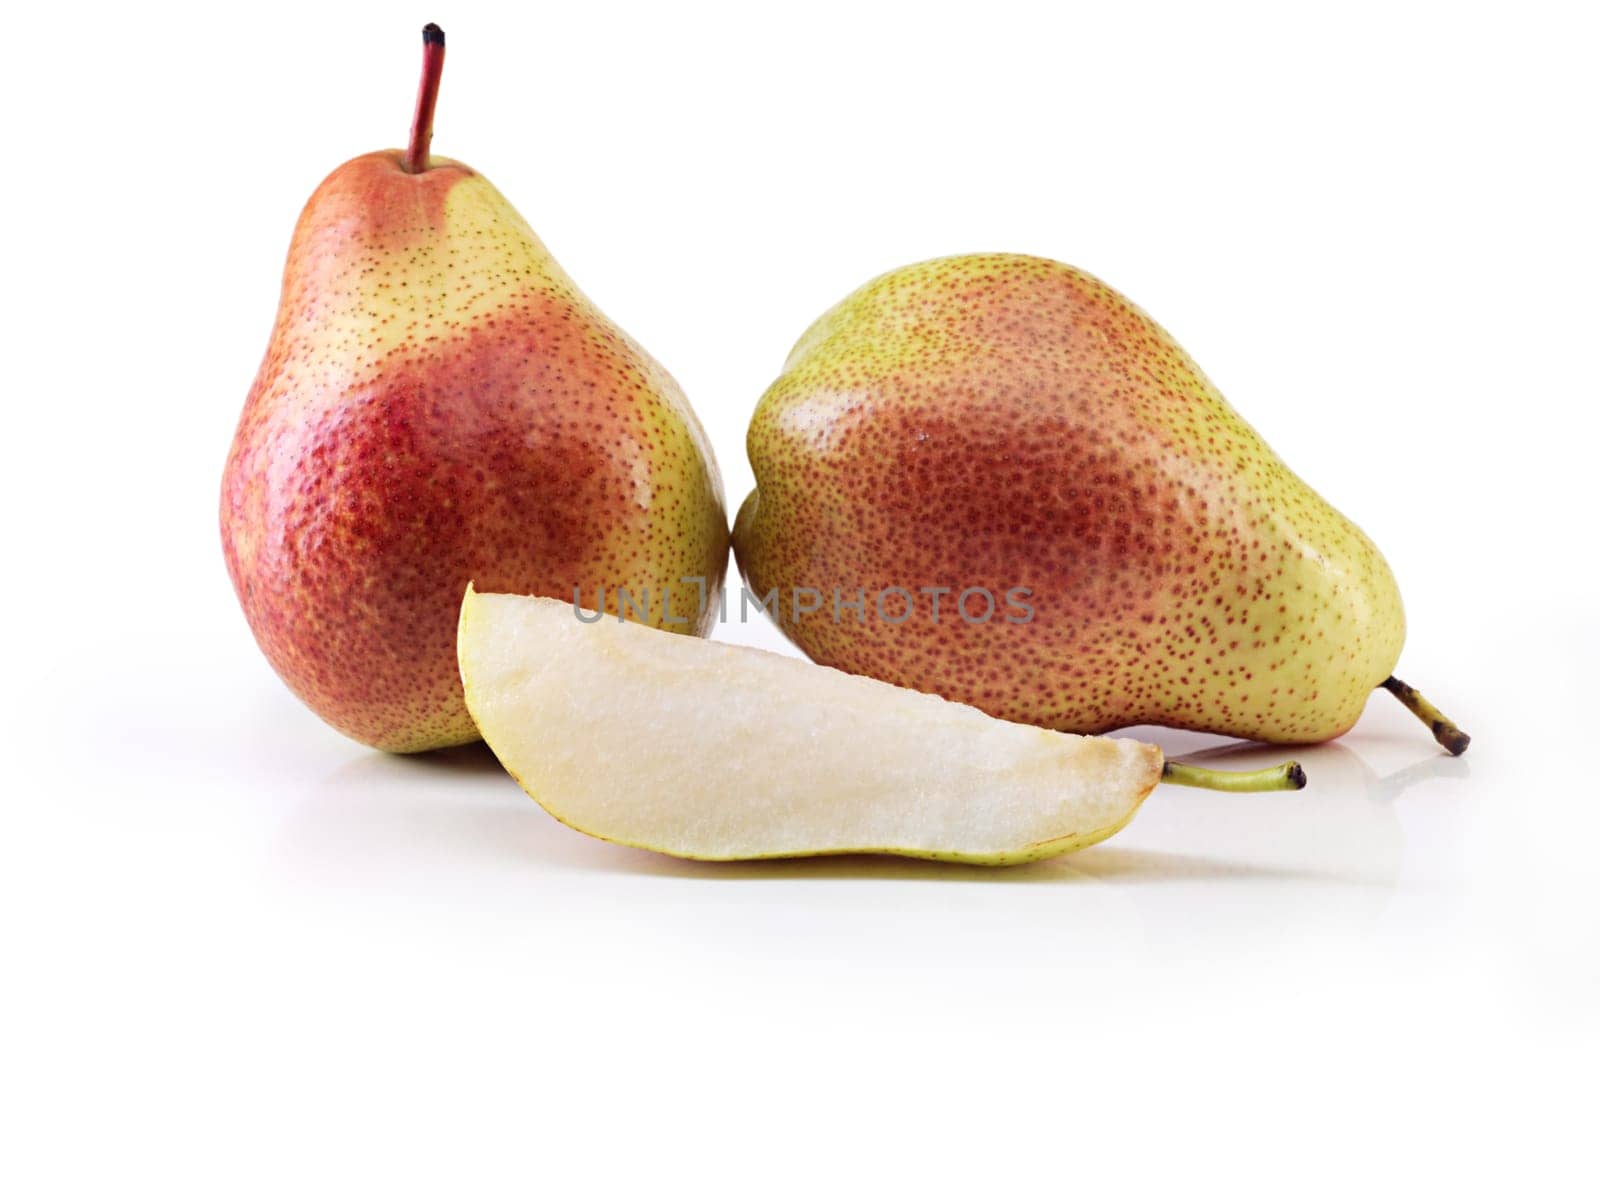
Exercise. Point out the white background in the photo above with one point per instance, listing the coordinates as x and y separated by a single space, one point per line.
249 957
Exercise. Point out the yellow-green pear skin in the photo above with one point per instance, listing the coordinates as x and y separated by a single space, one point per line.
1008 422
440 403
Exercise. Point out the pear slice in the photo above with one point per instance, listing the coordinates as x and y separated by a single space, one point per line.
712 751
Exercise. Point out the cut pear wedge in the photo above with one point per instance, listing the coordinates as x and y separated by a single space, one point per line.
711 751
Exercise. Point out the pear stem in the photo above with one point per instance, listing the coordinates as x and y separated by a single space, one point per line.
1444 729
415 160
1285 777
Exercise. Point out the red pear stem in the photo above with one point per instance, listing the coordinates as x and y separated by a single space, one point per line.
416 157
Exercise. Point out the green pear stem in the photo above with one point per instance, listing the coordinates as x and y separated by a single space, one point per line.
1285 777
416 157
1444 729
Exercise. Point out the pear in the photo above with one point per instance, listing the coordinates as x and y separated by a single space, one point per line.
610 726
439 402
994 478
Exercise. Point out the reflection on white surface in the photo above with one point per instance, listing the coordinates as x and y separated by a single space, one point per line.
1196 873
458 806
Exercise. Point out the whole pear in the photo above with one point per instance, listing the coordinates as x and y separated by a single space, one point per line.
1050 513
439 403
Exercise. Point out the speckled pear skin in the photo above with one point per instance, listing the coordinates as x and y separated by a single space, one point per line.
1002 421
440 404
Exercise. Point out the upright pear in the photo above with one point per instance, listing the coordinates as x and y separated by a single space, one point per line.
994 478
440 403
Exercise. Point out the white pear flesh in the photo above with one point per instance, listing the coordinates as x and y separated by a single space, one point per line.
712 751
